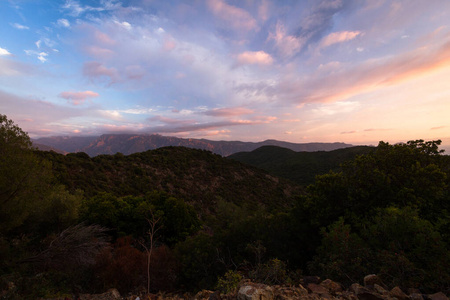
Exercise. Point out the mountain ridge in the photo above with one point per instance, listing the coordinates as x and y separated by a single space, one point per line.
132 143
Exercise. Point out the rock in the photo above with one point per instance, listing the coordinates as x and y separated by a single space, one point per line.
348 295
364 293
203 295
111 294
354 287
398 293
413 291
371 280
380 289
319 290
416 296
255 292
215 296
287 293
438 296
332 287
302 289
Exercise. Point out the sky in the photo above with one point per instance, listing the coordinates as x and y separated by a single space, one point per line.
302 71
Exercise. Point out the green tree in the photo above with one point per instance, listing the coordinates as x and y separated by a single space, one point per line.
24 178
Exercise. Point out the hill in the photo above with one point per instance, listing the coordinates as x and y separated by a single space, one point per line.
198 176
129 144
300 167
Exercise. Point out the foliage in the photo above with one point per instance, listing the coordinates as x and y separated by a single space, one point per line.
198 260
121 267
272 272
342 256
300 167
24 178
197 176
229 282
384 212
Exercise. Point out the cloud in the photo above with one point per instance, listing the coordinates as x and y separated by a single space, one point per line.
77 98
96 70
41 56
339 37
376 129
348 132
19 26
63 23
346 81
103 38
4 52
228 112
320 19
14 68
98 52
287 45
124 25
37 117
257 57
438 127
183 126
236 17
76 9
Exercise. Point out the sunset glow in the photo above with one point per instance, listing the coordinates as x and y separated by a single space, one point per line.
299 71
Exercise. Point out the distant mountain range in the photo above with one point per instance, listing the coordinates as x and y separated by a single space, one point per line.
131 143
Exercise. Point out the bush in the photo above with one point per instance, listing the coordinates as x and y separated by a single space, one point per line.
229 282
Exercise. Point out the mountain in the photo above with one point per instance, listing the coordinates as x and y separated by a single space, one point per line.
197 176
129 144
300 167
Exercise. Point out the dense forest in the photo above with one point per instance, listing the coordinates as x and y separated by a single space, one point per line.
179 219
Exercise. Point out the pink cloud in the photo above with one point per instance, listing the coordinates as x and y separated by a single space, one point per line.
339 37
103 38
264 10
169 45
99 51
95 69
78 98
287 45
236 17
438 127
228 112
377 129
251 57
344 82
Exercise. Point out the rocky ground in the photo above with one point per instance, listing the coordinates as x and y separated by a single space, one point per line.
310 289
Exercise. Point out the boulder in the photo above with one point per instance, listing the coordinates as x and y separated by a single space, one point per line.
438 296
111 294
363 293
380 290
319 290
416 296
203 295
332 287
398 293
372 279
287 293
254 291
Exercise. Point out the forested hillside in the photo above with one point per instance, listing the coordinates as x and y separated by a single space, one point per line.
300 167
178 219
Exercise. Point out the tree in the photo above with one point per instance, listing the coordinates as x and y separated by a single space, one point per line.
24 178
154 227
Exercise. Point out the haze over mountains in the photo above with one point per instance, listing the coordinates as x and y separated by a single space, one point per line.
131 143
